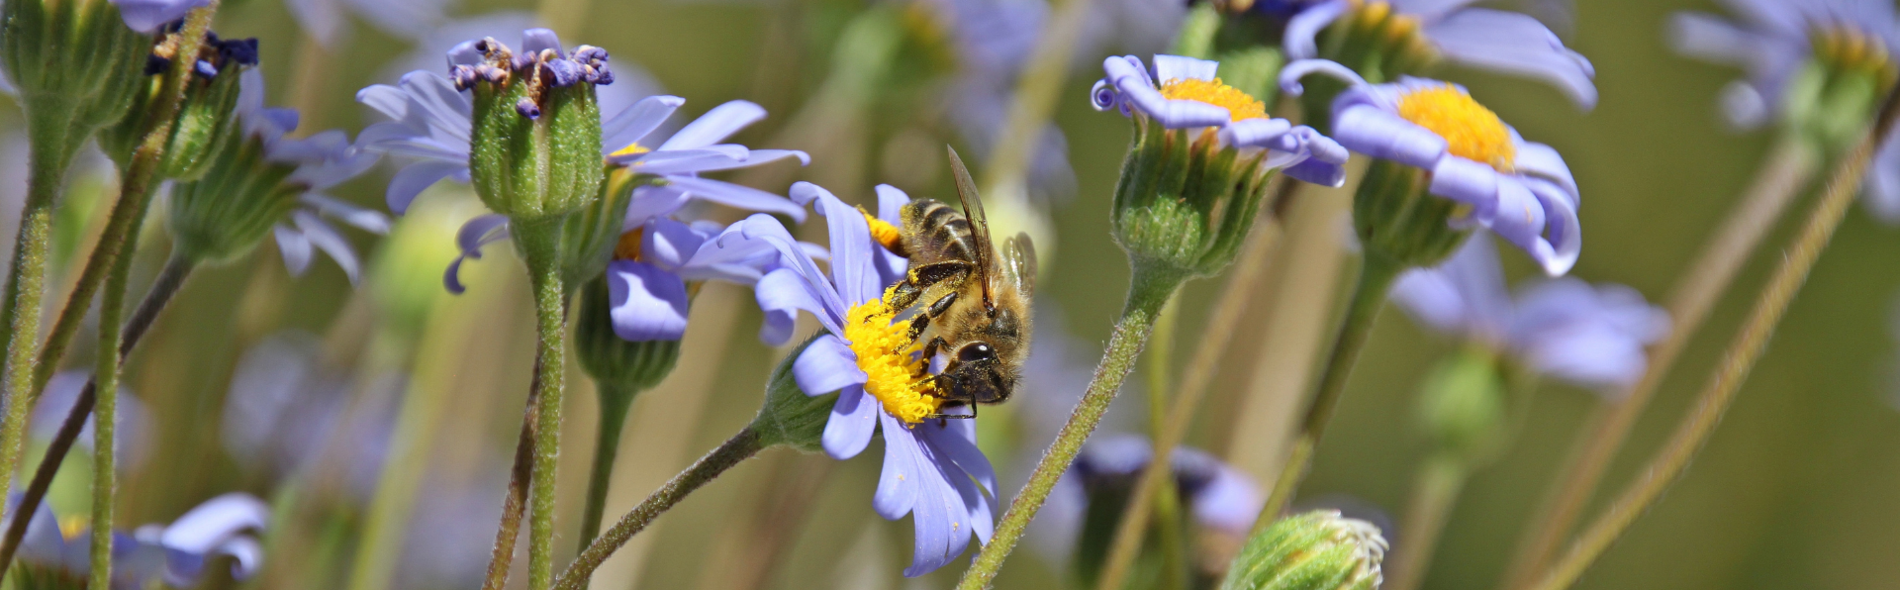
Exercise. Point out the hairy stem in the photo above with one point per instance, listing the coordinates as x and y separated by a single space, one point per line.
740 447
613 419
26 286
1740 356
520 475
550 303
1788 169
1375 278
105 376
1147 293
169 281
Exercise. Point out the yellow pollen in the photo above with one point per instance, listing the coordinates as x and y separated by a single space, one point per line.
628 248
71 526
896 373
632 149
1473 132
887 235
1239 105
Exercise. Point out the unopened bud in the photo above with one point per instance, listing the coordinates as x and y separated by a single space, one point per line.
790 417
1318 550
535 146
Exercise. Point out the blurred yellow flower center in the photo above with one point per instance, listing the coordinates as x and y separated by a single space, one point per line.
1473 132
632 149
1239 105
896 372
71 526
1852 49
628 248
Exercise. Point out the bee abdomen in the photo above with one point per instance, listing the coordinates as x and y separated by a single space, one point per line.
937 232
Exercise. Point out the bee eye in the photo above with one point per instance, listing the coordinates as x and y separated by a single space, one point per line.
976 352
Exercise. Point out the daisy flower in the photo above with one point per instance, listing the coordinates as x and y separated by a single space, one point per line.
173 554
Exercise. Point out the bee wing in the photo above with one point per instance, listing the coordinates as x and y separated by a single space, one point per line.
979 225
1019 263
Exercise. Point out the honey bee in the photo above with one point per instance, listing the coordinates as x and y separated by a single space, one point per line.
974 305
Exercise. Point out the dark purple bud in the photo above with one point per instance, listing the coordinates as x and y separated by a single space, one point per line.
528 109
604 77
565 72
241 51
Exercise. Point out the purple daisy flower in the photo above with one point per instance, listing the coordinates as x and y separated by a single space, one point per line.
1183 93
174 555
1496 40
1522 190
1219 496
1773 40
1593 336
932 467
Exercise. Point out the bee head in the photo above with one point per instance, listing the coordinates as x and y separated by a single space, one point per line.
976 374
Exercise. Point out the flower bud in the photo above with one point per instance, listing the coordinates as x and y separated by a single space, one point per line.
75 63
1832 97
1461 405
589 236
1318 550
535 145
621 367
790 417
1185 202
204 117
1397 217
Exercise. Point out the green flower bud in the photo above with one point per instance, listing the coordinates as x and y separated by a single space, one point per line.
623 367
1184 202
1318 550
75 63
789 417
1461 405
589 236
203 121
1832 97
535 147
1397 219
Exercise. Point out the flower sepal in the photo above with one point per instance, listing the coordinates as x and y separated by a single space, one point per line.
790 417
1396 217
621 367
204 120
75 64
1185 202
590 235
1318 550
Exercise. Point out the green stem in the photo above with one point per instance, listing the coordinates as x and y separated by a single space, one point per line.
614 405
1147 293
520 475
26 286
740 447
1788 169
1433 494
1164 505
1375 278
169 281
1740 356
541 241
105 375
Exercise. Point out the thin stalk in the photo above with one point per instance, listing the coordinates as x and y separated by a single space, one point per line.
169 281
1742 353
1788 169
1166 504
1147 293
1433 494
520 475
105 375
1192 388
550 304
740 447
613 419
1375 279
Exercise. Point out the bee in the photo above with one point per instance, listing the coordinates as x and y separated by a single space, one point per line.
974 304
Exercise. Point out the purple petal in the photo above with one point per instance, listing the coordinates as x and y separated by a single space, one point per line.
412 179
1563 231
480 231
146 16
764 228
364 219
669 243
536 40
899 484
1467 182
955 441
1318 172
853 421
651 202
1255 132
1515 43
294 248
827 365
1305 26
648 302
851 246
216 521
781 294
1292 73
1882 191
1176 67
327 239
633 124
1382 134
890 203
1135 88
736 196
715 126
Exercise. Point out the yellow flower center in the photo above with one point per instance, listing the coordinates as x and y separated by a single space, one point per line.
897 373
1239 105
632 149
628 248
1852 49
1473 132
71 526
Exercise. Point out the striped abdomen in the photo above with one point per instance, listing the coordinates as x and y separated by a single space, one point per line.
934 231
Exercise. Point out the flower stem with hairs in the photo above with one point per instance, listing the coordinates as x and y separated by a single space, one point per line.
613 419
1743 351
520 476
1148 292
1789 168
1376 276
541 242
105 376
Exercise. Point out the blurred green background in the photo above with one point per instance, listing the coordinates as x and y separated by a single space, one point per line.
1795 490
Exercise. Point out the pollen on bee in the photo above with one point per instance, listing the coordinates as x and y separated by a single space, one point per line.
1240 105
887 235
1470 130
895 371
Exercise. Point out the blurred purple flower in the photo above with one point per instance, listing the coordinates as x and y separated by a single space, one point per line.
932 468
174 555
1506 42
50 412
285 411
1591 336
1220 497
322 161
146 16
1772 41
323 20
1529 198
993 41
1302 151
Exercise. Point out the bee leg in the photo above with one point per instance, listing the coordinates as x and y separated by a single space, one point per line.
922 278
917 326
904 294
936 309
930 350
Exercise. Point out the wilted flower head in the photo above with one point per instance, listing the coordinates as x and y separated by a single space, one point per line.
263 181
1431 137
1366 33
1592 336
201 123
932 467
1815 66
174 555
1198 165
